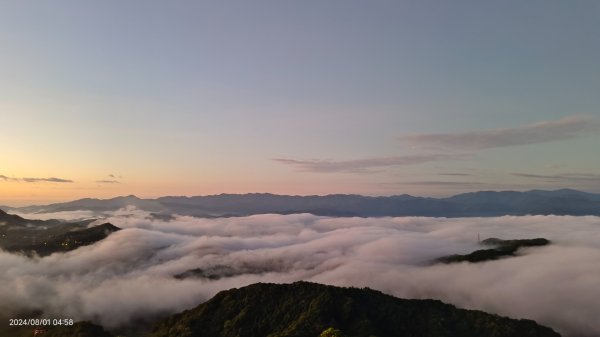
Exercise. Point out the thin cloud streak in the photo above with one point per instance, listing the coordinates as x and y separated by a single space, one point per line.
365 165
444 183
108 182
564 177
456 174
5 178
36 180
542 132
49 180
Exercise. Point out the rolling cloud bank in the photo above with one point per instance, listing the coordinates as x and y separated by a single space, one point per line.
131 274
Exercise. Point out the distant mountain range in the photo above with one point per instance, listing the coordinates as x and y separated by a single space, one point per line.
483 203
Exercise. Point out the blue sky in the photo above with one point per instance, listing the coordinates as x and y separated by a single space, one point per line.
246 96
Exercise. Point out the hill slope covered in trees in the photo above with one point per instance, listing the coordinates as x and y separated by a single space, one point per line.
305 309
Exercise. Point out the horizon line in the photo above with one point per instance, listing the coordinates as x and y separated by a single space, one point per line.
302 195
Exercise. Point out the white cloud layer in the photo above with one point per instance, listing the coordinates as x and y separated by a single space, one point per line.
130 274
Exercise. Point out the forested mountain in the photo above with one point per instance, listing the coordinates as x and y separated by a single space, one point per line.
305 309
501 249
46 237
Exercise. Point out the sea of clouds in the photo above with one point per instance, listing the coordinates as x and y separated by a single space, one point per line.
130 275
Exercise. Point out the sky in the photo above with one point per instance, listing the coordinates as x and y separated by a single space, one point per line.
430 98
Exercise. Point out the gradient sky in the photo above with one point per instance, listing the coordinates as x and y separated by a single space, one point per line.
106 98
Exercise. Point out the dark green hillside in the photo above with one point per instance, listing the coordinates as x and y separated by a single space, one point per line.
43 238
67 241
15 220
504 248
305 309
516 243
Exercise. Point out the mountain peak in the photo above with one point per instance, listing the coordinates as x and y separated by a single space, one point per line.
131 196
307 309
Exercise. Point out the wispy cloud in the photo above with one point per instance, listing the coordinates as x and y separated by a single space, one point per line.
36 180
564 177
542 132
457 174
365 165
108 182
49 180
443 183
5 178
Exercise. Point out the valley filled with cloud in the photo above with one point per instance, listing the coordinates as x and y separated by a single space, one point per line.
158 266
